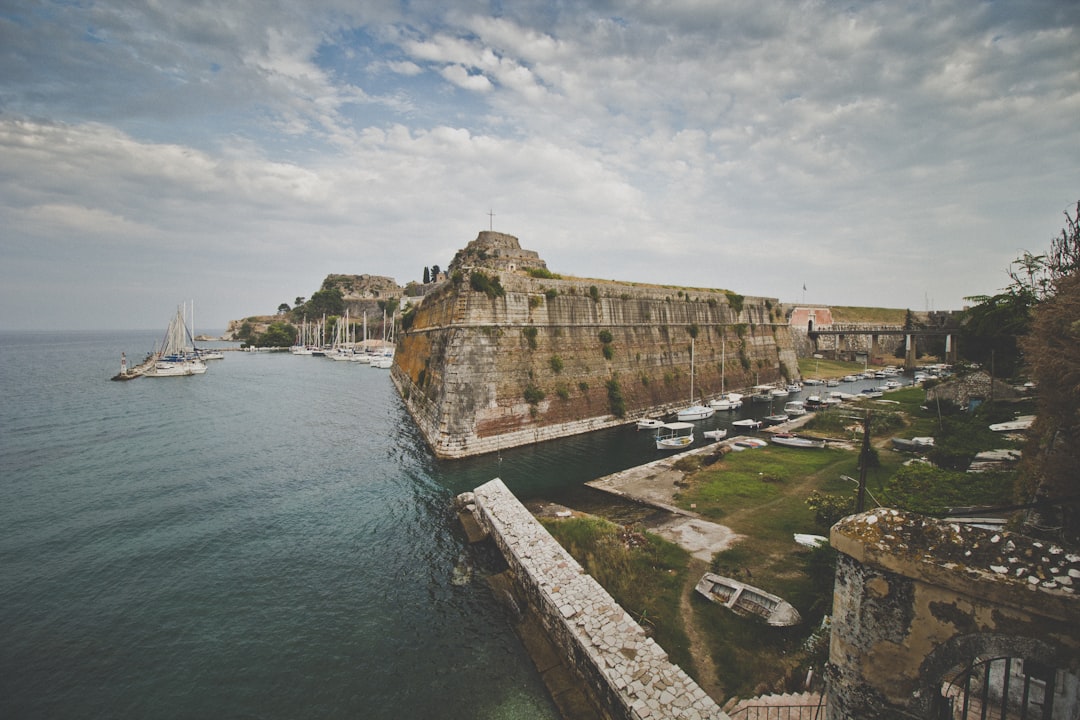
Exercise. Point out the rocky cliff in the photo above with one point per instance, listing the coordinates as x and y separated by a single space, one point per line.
518 359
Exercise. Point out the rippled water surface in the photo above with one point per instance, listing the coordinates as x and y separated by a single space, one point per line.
269 540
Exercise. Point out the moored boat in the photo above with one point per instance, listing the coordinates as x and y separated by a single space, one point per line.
696 411
748 423
748 600
718 434
649 423
795 408
674 436
789 440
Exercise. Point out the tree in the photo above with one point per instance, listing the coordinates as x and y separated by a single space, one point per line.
434 273
427 275
991 329
1052 455
283 308
329 301
299 300
277 335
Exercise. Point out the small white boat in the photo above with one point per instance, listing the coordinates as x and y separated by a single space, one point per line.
726 402
762 393
832 382
747 600
674 436
915 444
747 444
748 423
871 393
849 378
795 441
718 434
811 541
775 419
793 388
649 423
695 412
813 381
1021 423
778 392
795 408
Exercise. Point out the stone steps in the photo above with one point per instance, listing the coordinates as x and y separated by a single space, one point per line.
786 706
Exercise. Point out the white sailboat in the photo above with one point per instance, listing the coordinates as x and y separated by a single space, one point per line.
726 401
177 357
695 411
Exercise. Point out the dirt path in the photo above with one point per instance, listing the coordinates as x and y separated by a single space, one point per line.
704 667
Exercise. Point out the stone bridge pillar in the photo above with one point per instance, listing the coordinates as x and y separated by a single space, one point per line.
909 351
918 600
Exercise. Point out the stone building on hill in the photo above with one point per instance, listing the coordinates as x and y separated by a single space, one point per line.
496 251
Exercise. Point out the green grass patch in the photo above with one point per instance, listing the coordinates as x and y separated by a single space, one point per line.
753 477
642 571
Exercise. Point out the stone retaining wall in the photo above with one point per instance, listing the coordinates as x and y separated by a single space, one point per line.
629 674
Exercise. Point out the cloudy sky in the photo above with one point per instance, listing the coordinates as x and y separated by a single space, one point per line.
235 152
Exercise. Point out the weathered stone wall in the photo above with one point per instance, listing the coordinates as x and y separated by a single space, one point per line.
481 373
916 597
627 672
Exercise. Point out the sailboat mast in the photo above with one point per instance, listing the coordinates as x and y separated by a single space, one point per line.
691 371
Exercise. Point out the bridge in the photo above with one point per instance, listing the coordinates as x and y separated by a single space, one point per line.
875 332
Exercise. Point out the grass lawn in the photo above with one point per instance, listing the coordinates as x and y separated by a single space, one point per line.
761 495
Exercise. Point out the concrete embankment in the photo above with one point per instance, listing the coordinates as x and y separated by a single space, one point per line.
627 672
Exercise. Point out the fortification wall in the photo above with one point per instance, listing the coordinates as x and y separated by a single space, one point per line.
627 672
551 358
916 599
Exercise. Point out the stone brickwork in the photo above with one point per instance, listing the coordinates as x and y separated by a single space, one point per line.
628 673
554 357
915 598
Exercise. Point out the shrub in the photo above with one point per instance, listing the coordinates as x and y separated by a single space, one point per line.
551 293
530 336
556 364
594 293
609 352
606 336
487 284
829 508
735 301
616 401
542 274
533 394
536 301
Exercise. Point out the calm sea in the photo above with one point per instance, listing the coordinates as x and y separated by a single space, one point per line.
269 540
272 539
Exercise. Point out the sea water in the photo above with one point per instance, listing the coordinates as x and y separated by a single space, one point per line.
269 540
272 539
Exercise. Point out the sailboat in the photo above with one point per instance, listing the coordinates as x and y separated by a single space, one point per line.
726 401
177 357
695 411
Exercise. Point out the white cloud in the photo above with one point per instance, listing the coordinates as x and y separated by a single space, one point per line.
892 152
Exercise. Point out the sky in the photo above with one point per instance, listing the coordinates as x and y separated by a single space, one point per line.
233 153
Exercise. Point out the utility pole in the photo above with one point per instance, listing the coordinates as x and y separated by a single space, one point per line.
864 462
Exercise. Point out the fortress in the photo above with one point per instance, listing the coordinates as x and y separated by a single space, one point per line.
505 353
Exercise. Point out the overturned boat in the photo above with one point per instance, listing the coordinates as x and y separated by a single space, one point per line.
747 600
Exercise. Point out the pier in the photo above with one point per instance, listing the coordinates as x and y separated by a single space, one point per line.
629 674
